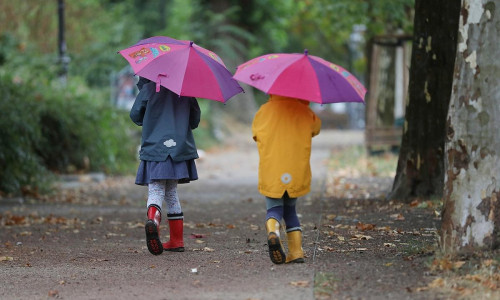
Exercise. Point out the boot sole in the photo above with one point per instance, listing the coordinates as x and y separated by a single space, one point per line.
296 261
180 249
276 252
152 238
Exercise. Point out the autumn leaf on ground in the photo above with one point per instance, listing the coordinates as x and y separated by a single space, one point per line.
15 220
438 282
6 258
197 236
331 217
442 264
398 217
53 293
364 227
414 203
301 283
361 237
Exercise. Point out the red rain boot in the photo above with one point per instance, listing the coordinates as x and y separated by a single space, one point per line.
176 225
153 230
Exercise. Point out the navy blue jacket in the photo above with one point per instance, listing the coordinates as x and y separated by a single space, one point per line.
167 120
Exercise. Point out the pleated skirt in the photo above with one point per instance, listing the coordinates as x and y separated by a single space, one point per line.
183 171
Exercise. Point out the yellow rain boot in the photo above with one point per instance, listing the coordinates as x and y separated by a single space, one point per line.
295 251
276 252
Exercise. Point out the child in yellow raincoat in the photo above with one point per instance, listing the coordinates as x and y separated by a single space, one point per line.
283 129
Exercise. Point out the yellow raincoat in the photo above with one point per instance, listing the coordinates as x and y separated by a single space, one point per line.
283 129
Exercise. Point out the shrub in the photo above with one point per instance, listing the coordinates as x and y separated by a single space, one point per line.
61 130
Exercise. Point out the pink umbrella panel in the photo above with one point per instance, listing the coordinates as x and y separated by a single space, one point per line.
183 67
301 76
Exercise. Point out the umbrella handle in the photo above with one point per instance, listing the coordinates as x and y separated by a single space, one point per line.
158 81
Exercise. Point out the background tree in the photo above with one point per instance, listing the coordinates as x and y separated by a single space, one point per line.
420 170
471 216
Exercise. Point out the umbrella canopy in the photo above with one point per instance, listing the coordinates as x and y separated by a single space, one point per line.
301 76
182 67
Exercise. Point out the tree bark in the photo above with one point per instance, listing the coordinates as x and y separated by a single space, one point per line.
471 215
420 170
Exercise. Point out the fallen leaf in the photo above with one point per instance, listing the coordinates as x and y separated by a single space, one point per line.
389 245
475 277
442 264
414 203
330 217
398 217
388 264
364 227
6 258
488 262
53 293
329 249
458 264
206 249
361 237
438 282
199 242
341 238
302 283
197 236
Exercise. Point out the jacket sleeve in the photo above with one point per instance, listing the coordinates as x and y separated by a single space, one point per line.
316 124
195 114
139 108
255 124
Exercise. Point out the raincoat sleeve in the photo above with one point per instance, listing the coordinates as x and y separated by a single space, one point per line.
254 126
195 114
139 108
316 125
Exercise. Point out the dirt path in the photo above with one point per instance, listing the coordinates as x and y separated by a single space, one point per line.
88 243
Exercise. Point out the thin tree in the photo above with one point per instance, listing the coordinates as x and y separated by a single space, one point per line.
471 215
420 170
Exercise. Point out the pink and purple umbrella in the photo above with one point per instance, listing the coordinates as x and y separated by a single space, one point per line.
182 67
301 76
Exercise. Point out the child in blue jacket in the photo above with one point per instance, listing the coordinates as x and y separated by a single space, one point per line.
167 157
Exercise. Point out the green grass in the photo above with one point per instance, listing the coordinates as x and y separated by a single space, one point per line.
355 160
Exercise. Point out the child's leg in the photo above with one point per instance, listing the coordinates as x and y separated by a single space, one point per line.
175 218
156 192
273 218
274 208
171 197
290 215
293 232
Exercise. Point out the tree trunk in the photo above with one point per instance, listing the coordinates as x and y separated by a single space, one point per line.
471 215
420 171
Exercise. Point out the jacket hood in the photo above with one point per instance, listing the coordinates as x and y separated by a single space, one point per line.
142 81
